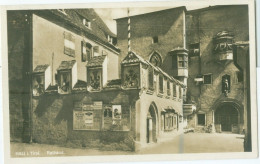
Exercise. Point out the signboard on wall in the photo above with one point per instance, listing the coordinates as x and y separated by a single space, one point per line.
87 116
82 120
116 114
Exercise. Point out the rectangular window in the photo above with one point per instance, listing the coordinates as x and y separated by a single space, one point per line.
182 61
150 79
168 88
84 52
207 79
155 39
174 90
160 83
194 49
239 76
180 92
201 119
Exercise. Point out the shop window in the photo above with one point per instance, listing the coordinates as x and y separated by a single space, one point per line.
182 61
160 83
207 79
194 50
201 119
239 75
156 59
168 88
69 44
150 79
155 39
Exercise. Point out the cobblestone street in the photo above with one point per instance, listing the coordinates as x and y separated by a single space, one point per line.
184 143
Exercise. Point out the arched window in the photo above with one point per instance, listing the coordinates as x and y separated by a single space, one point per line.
156 59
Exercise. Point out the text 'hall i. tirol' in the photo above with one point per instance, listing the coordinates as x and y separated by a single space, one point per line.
72 82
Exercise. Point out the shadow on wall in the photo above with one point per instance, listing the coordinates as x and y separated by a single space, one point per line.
44 103
66 110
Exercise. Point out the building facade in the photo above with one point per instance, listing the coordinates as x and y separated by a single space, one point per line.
215 99
71 91
217 81
73 82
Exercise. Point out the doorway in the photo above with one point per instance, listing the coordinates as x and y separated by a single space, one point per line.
151 125
227 116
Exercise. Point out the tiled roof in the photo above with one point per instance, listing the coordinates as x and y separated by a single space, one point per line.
40 68
113 83
73 17
96 61
132 57
80 86
66 65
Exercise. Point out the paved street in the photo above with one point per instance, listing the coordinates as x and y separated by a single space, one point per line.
185 143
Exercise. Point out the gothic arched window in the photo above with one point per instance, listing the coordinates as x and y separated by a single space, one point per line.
156 59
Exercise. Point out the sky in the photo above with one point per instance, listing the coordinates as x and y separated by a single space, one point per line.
109 14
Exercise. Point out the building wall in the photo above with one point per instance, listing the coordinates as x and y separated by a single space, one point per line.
143 107
48 39
202 26
167 25
18 34
53 120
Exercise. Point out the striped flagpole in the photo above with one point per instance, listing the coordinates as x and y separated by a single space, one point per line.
129 34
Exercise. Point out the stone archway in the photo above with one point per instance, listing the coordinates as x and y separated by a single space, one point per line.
227 116
152 124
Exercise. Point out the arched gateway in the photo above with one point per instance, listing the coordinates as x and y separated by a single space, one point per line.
228 117
152 124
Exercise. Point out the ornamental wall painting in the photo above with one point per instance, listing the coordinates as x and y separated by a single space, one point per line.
38 85
131 76
65 82
95 79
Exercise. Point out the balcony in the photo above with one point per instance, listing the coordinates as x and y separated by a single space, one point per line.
223 43
180 61
188 109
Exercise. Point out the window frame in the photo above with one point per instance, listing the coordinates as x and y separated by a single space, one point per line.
211 79
199 121
155 39
184 61
161 85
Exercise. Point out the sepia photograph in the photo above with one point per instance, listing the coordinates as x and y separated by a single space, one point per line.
97 80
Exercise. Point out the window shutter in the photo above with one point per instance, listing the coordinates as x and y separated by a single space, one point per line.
69 44
84 51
